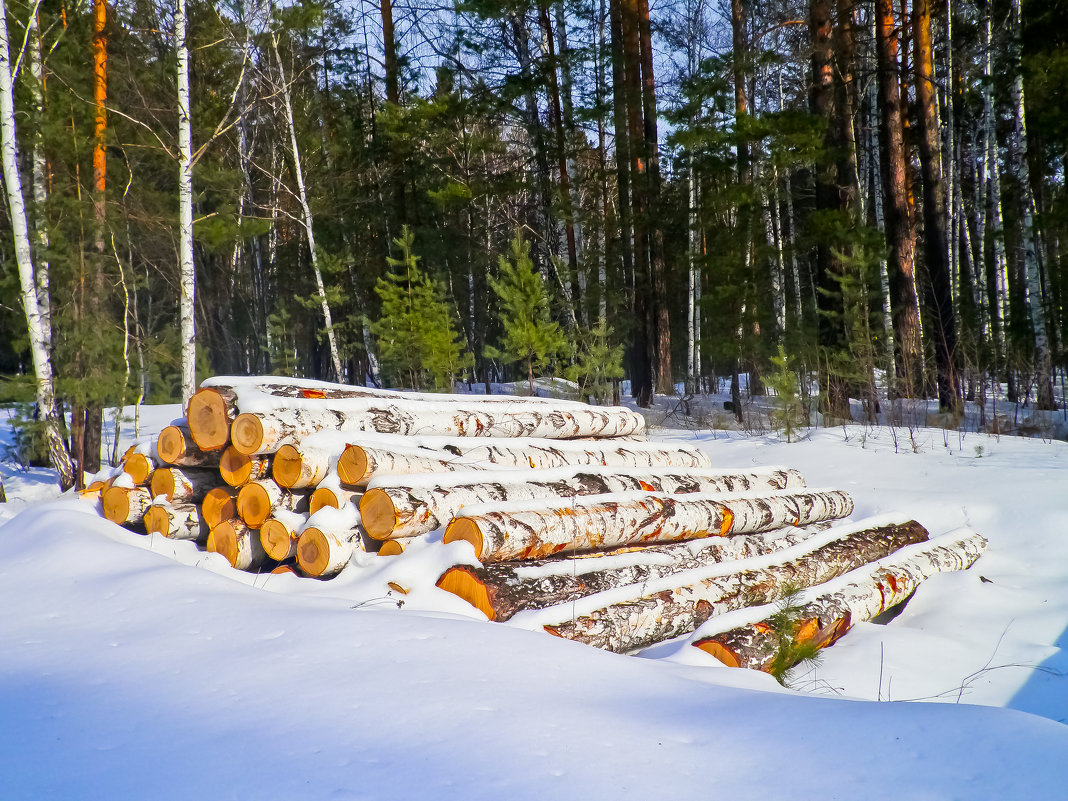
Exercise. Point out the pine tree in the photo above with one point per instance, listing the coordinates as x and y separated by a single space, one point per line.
598 364
530 335
418 343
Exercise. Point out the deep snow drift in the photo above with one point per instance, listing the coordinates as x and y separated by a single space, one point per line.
136 667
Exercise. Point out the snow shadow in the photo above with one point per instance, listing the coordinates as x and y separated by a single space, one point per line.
1045 692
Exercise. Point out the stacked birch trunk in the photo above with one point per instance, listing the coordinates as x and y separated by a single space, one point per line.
579 526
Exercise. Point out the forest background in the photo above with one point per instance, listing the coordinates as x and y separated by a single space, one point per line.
865 192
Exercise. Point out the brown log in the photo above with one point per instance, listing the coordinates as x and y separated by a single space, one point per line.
279 534
218 505
258 499
404 506
175 446
501 589
748 638
175 521
266 431
238 543
360 462
643 614
534 529
237 469
209 415
187 485
125 506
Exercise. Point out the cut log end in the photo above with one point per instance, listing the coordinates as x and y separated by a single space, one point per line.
225 539
288 465
462 582
253 505
276 539
138 467
391 548
464 528
247 433
313 552
352 465
171 444
162 483
116 503
324 496
235 467
209 425
719 651
218 506
378 514
157 521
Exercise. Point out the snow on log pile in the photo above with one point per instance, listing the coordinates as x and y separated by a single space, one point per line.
580 527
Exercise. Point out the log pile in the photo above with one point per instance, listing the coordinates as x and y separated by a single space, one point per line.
579 526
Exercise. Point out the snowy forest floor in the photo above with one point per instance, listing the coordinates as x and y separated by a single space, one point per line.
138 667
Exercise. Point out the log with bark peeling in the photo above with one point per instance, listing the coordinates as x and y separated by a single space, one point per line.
502 589
180 521
237 469
187 485
404 506
360 462
266 431
238 543
536 529
643 614
124 505
175 446
257 500
748 639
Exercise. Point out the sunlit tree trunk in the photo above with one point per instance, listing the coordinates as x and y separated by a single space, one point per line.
186 266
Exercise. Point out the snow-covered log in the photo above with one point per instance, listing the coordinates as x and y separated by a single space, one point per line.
218 505
238 543
125 505
175 446
280 532
304 464
209 415
393 547
187 485
362 460
406 506
257 500
328 541
180 521
536 529
638 615
747 638
138 466
237 469
501 589
267 431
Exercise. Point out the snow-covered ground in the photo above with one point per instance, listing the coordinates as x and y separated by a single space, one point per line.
136 667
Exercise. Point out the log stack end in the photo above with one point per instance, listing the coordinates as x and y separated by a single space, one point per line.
464 528
378 514
462 582
288 466
208 418
352 465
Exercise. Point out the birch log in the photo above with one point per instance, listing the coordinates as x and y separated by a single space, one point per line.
175 521
643 614
219 504
184 486
304 465
175 446
359 463
237 469
328 541
267 431
280 532
398 506
747 638
502 589
125 506
139 467
238 543
532 529
258 499
209 414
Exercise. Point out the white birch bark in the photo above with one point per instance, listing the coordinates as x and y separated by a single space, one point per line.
174 521
309 221
533 529
40 179
995 222
186 266
238 544
39 345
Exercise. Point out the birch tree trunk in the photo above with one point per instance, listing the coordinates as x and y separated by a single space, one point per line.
533 530
302 196
40 178
39 346
186 266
